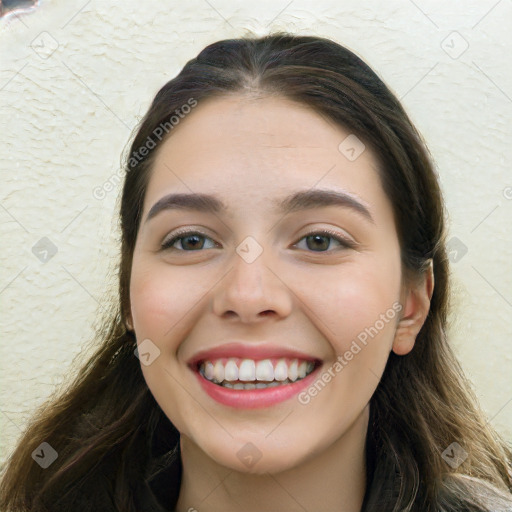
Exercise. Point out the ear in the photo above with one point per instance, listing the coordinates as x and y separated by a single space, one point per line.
129 322
416 307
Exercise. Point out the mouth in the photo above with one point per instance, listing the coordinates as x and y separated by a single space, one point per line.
252 374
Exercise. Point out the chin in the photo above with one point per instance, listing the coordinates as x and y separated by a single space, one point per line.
258 457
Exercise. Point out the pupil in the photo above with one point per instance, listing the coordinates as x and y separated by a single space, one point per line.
317 237
196 237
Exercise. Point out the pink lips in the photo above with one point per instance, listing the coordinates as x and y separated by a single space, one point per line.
241 351
254 398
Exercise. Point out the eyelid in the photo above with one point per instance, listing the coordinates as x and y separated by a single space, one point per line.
173 236
344 241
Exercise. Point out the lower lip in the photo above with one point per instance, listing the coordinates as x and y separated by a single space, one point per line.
255 398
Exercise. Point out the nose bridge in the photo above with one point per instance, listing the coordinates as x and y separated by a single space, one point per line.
251 287
248 276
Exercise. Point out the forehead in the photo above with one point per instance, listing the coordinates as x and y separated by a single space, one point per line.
258 121
250 149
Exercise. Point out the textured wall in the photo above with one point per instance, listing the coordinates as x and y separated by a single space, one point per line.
74 79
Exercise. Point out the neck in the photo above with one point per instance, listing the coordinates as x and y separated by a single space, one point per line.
332 480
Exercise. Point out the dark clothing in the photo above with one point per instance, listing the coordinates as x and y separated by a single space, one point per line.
159 494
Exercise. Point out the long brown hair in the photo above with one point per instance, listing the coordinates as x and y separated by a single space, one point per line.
104 425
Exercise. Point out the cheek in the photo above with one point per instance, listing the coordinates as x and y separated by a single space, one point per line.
360 306
353 300
161 299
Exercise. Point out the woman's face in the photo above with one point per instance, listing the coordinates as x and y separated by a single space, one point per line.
250 296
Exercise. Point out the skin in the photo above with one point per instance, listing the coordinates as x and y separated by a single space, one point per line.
249 150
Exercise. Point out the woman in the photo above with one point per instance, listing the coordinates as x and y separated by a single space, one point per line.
279 342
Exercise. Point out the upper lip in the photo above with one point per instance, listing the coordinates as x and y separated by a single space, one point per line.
248 351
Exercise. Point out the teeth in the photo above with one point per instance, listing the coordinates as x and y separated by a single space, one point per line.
281 370
293 371
218 372
209 370
247 370
252 385
231 371
250 374
265 370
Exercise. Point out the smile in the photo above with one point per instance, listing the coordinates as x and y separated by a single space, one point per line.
249 374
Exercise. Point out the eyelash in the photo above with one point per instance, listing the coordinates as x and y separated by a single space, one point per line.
347 244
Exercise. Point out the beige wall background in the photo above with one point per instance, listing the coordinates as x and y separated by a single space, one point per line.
76 76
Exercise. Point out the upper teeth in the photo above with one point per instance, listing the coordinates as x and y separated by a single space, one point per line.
266 370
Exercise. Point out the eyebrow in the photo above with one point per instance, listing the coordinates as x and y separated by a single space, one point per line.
297 201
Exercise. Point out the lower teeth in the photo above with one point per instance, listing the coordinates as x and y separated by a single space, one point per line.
253 385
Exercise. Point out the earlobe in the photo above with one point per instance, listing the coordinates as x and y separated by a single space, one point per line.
416 308
128 322
430 281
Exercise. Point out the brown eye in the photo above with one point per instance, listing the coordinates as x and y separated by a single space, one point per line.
190 241
320 241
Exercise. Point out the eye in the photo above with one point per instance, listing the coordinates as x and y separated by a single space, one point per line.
317 241
188 240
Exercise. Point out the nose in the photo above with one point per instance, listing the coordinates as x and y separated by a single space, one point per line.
251 291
